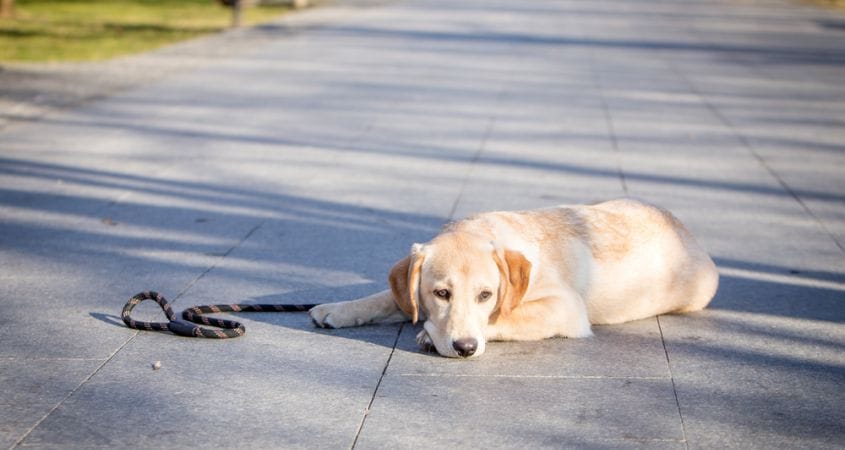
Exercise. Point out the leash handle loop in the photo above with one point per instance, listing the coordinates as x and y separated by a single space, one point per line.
151 326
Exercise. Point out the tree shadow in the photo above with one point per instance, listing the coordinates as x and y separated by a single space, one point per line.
778 291
763 54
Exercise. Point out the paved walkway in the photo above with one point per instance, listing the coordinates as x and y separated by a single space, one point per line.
300 168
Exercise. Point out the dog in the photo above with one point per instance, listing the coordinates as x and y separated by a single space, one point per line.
530 275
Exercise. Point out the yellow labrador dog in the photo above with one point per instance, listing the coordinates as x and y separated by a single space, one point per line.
537 274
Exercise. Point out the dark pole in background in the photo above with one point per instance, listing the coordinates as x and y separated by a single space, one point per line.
236 13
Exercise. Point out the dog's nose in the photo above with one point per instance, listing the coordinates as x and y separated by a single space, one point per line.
465 347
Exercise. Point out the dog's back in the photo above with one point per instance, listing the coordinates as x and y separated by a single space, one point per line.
628 260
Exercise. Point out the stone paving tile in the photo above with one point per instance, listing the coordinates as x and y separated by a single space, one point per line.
33 387
65 309
508 412
631 350
758 379
18 419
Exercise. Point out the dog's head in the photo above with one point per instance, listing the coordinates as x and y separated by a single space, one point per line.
459 281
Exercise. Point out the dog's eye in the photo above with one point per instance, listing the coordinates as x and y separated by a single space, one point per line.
484 296
443 293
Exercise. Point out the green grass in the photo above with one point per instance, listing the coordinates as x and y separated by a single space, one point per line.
88 30
836 4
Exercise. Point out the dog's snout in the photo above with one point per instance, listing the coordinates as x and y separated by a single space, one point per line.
465 347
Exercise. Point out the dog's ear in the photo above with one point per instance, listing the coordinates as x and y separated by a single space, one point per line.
405 283
514 273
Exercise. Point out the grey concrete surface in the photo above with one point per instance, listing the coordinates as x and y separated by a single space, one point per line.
298 161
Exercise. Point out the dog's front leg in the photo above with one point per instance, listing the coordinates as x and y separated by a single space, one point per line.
377 308
564 316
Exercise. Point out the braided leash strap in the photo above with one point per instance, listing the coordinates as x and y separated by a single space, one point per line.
192 317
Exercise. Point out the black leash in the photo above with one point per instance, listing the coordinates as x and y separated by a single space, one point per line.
192 317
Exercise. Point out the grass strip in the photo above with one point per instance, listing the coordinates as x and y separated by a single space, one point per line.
92 30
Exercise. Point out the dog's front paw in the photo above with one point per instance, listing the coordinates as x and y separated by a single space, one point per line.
425 342
321 315
332 315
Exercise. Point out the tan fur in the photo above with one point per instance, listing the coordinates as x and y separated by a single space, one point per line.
514 273
549 272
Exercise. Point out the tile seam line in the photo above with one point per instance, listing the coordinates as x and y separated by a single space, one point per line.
472 164
674 388
771 171
643 440
760 160
551 377
217 262
608 118
614 140
488 130
132 337
375 390
48 358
